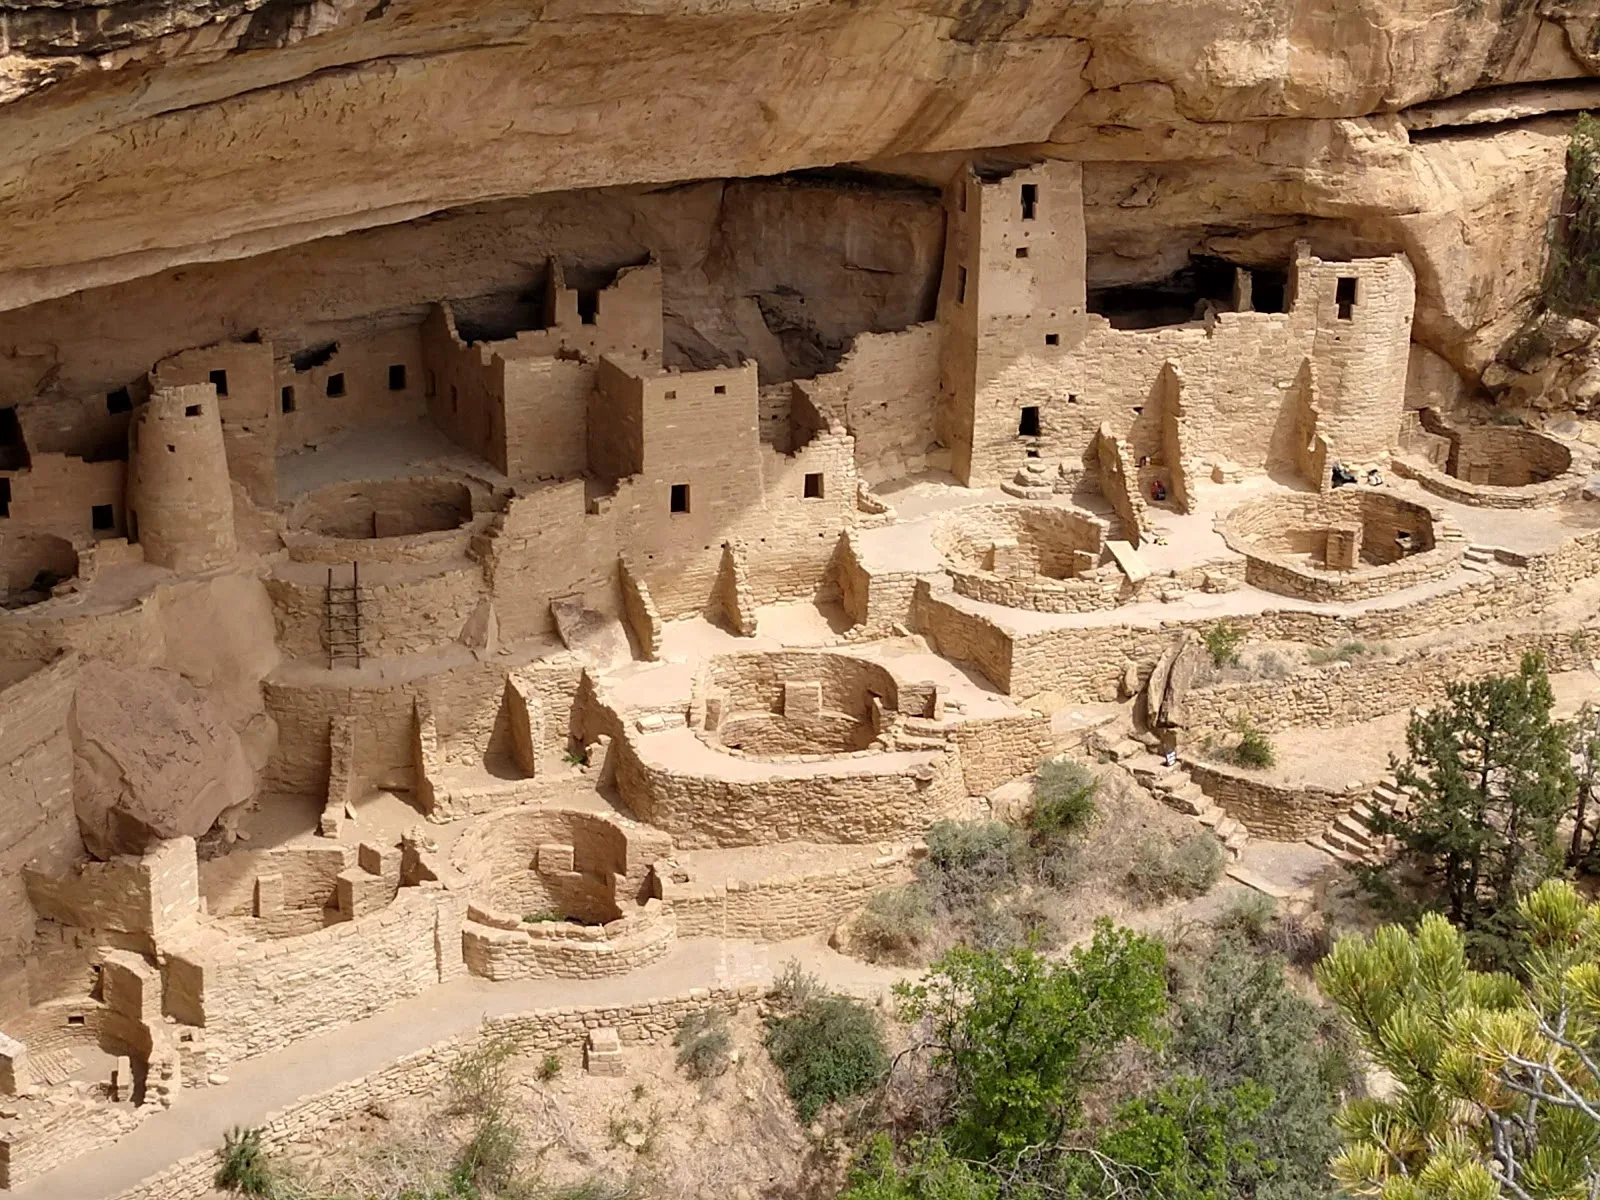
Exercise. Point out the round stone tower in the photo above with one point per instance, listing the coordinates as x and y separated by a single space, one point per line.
180 500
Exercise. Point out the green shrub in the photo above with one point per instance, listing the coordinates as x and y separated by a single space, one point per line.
895 925
244 1169
704 1042
478 1077
1181 872
1251 913
1343 652
1254 748
1222 643
793 987
549 1066
829 1050
968 860
489 1159
1063 800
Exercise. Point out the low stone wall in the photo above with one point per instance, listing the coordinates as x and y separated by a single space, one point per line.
782 906
996 749
858 801
1267 810
427 1072
559 950
1350 693
57 1125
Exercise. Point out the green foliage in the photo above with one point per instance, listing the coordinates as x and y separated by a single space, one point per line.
704 1042
1017 1036
1160 873
1063 801
970 857
929 1172
478 1076
244 1169
576 758
1186 1141
549 1067
793 987
489 1159
1497 1091
1254 748
832 1048
1572 284
1222 641
895 925
1489 776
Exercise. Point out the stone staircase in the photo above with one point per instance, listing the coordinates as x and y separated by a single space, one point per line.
1174 787
1478 557
1350 838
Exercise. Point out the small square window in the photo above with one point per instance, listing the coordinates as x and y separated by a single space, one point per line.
192 410
672 395
720 389
1072 397
397 377
455 399
1052 339
219 380
1022 252
336 384
102 517
814 485
75 1019
680 497
1028 426
286 399
119 401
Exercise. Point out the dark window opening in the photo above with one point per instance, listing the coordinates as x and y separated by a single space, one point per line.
814 485
961 285
1030 200
588 305
101 517
1346 297
429 385
1029 425
171 449
1179 298
119 401
219 380
133 526
1269 290
671 395
13 448
962 197
720 390
5 497
1022 252
192 410
680 497
397 377
286 399
76 1019
1033 452
336 384
1072 398
455 399
1052 339
316 356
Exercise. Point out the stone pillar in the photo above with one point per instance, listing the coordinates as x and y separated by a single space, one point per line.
13 1066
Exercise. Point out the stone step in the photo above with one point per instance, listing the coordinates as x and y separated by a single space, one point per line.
1193 805
1212 815
1337 837
1228 826
1387 795
1147 768
1175 780
1354 829
1338 853
1124 750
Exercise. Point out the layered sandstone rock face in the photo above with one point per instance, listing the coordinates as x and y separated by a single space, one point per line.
137 136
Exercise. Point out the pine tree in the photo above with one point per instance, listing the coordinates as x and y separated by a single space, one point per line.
1497 1082
1489 775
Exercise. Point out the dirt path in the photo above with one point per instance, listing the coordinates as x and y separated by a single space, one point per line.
258 1086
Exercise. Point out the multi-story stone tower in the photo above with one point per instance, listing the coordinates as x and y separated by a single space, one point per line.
180 501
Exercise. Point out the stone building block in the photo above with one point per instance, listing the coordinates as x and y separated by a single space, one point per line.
360 893
130 986
122 1080
383 861
602 1052
268 893
802 699
553 858
13 1065
1344 547
1006 558
525 710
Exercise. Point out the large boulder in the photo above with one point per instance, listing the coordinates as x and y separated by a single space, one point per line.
152 758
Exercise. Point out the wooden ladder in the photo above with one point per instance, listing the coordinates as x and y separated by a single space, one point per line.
342 618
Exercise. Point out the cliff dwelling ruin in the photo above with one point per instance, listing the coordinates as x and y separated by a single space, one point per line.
447 586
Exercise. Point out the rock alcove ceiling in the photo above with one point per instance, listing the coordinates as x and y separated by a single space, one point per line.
139 137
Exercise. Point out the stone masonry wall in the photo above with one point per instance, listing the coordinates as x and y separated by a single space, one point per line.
1269 810
781 907
427 1072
